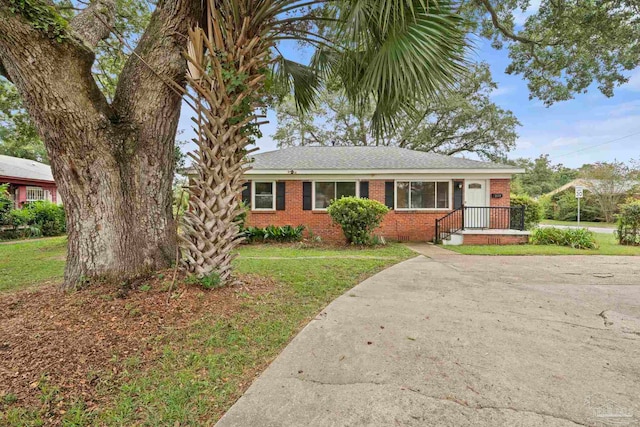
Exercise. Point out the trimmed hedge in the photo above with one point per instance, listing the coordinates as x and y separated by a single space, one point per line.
532 210
357 217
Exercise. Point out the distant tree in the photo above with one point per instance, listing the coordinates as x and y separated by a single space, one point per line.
541 176
18 136
562 48
466 121
609 183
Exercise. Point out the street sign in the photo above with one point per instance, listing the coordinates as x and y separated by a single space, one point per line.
579 195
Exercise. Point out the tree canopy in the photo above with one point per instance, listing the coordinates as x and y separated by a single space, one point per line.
465 121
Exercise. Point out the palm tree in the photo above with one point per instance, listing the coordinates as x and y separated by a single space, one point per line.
389 52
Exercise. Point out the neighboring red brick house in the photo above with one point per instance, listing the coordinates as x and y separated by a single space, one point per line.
294 186
28 180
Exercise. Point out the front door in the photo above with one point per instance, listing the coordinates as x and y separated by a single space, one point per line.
476 216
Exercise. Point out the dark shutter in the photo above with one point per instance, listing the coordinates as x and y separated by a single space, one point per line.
246 194
306 196
457 194
364 189
280 195
389 196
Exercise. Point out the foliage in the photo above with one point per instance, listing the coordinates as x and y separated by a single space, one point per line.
357 217
577 238
42 16
274 233
540 177
210 281
607 245
546 207
48 217
465 121
6 202
564 207
532 210
628 232
561 48
35 219
18 136
609 183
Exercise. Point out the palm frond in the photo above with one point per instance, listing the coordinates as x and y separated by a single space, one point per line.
303 79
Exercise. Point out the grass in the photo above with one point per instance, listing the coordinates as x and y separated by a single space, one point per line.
204 367
607 245
582 223
25 263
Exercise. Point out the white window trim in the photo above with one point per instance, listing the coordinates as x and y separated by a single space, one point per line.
39 189
395 195
335 181
253 196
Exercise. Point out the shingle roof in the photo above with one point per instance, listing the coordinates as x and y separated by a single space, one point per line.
363 158
24 169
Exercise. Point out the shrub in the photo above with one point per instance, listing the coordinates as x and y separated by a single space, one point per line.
566 208
578 238
628 232
357 217
532 211
285 233
48 217
6 203
546 206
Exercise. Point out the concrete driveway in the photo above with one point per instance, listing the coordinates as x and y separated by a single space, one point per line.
454 340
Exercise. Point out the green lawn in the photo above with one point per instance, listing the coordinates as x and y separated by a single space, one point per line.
204 367
582 223
607 243
26 263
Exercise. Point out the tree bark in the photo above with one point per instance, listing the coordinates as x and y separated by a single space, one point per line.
113 164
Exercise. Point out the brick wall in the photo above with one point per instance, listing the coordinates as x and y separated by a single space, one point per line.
397 225
484 239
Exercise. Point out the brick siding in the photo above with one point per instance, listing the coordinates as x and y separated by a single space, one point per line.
397 225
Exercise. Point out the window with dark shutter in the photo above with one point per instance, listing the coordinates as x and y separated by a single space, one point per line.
364 189
280 195
246 194
388 194
306 196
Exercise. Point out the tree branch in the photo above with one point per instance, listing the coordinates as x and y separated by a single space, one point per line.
500 27
93 23
157 63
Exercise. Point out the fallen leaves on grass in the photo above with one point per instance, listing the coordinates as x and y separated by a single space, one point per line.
59 346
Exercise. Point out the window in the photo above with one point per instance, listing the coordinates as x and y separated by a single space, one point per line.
35 194
264 196
422 195
325 192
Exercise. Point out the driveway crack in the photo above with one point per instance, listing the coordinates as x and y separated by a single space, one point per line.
481 407
477 407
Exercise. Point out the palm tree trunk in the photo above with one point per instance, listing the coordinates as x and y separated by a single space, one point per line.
227 74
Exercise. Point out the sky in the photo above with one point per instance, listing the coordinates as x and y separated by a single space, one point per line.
586 129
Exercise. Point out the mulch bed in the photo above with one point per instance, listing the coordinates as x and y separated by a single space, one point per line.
68 340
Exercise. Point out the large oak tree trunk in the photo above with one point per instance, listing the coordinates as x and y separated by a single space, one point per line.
114 162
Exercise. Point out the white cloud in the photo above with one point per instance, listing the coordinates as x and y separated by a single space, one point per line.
524 144
564 141
634 81
502 90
